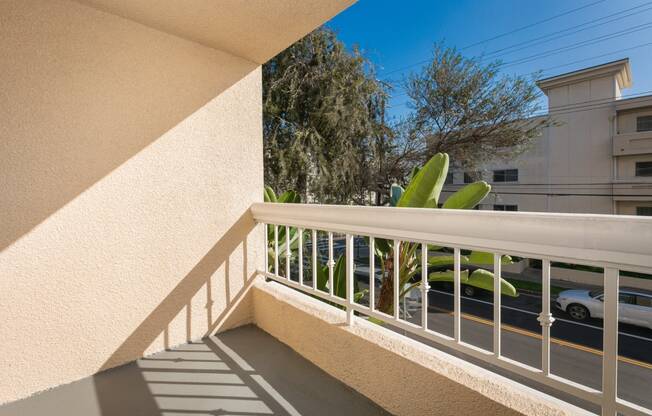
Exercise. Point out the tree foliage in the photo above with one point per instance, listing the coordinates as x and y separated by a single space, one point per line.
325 129
323 121
466 108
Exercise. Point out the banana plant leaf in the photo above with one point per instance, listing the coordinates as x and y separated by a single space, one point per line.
438 261
468 196
484 279
339 280
269 194
381 246
447 276
413 173
424 189
481 257
289 197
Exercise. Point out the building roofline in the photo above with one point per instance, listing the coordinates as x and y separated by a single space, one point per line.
620 68
634 102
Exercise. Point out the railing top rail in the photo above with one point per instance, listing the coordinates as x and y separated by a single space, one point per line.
616 240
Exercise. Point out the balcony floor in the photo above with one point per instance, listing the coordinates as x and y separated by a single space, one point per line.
240 372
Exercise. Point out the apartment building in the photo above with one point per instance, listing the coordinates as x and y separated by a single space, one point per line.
596 158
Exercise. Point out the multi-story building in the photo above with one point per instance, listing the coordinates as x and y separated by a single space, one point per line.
595 158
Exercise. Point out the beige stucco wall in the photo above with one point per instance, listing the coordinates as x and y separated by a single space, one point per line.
627 166
627 119
570 158
402 375
128 161
629 207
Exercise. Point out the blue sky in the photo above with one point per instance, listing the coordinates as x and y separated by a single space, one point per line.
395 34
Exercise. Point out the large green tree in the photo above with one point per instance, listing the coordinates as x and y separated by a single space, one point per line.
324 129
467 108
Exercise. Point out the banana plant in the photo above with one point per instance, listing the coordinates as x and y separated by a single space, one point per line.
339 269
339 281
423 191
287 197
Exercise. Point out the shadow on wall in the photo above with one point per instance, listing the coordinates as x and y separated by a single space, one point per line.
88 92
157 323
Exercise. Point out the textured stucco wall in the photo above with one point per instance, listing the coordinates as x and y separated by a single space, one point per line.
627 119
128 161
402 375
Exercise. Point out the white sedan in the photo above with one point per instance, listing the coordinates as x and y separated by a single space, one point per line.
634 306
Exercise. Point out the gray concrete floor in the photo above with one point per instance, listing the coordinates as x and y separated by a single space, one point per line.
240 372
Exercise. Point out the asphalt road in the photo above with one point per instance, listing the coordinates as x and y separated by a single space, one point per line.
575 347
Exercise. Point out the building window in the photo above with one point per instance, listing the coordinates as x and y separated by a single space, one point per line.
643 168
644 123
470 177
500 207
449 178
644 211
506 175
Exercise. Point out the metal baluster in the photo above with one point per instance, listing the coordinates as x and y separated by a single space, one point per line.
349 279
396 278
610 342
545 317
424 286
497 271
331 263
276 249
266 258
372 273
315 263
457 308
300 231
288 252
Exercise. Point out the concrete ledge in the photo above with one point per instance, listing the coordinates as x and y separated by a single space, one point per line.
401 375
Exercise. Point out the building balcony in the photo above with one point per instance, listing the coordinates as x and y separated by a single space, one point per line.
315 351
632 143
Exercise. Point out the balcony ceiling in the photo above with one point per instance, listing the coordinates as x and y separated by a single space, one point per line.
253 29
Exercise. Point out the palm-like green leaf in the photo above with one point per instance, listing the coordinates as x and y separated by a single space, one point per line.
269 194
484 279
481 257
447 276
289 197
424 189
468 196
438 261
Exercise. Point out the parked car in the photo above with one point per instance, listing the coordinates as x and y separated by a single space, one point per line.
634 305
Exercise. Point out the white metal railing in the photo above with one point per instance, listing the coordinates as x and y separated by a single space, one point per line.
613 243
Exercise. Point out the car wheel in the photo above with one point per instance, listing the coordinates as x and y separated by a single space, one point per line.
578 312
468 290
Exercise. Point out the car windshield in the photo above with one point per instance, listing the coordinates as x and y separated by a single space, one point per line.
595 293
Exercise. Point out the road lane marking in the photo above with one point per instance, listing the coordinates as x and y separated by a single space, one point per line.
536 314
557 341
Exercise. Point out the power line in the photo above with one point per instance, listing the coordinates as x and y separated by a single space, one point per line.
647 184
596 102
505 34
561 33
595 56
569 194
578 45
534 24
575 62
580 109
566 48
572 108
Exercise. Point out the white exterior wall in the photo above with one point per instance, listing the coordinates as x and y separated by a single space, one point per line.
572 166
